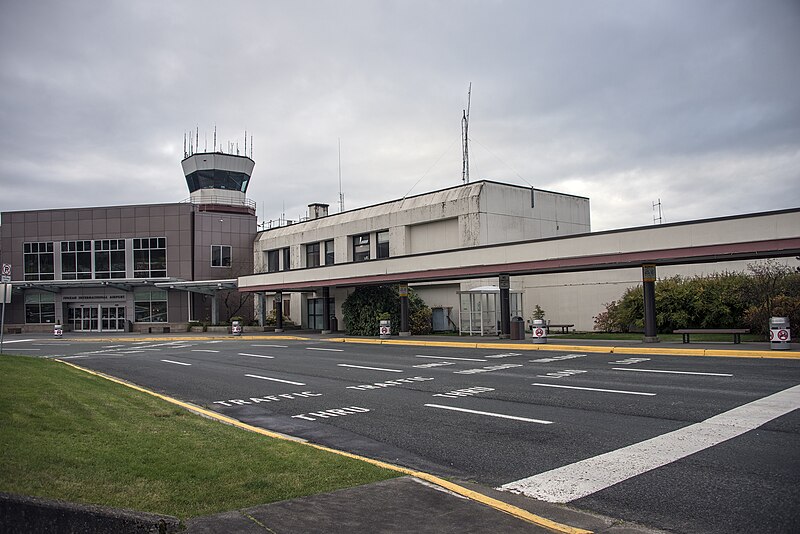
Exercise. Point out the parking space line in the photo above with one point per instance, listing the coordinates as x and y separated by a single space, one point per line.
577 480
256 355
595 389
370 368
451 358
276 380
668 372
176 363
490 414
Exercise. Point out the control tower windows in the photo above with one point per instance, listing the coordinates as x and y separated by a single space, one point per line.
220 255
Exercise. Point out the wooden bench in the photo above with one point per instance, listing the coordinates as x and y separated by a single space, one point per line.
736 332
564 327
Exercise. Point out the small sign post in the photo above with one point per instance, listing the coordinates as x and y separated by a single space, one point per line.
5 296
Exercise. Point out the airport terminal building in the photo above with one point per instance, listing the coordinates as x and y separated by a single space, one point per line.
135 268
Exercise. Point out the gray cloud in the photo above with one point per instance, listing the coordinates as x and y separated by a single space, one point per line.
692 102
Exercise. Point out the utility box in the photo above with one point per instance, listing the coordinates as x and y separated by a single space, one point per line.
539 331
236 328
780 335
57 330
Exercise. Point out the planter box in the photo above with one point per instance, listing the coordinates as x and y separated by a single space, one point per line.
217 329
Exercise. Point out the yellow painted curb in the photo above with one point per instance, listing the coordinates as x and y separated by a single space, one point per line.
470 494
789 355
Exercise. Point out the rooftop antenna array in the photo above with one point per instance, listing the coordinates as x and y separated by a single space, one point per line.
658 218
191 143
465 138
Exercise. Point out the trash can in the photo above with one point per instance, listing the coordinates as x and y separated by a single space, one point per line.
780 336
517 328
57 330
236 328
385 329
539 331
334 324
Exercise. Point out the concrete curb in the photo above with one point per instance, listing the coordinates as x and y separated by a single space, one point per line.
20 513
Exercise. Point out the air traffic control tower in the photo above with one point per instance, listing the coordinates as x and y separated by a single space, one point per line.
218 182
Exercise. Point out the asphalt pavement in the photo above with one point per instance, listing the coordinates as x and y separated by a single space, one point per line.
499 418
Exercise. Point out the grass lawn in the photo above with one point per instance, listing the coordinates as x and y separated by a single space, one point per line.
74 436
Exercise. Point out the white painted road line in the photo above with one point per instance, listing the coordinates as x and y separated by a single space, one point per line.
25 349
176 363
320 348
583 478
204 350
370 368
16 341
273 346
668 372
81 356
451 358
504 416
276 380
595 389
256 355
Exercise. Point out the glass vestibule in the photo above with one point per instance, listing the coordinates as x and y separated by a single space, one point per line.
479 310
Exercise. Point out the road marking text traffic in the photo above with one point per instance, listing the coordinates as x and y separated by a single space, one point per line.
390 383
466 392
269 398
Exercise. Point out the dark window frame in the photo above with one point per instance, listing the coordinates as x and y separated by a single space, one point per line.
218 257
312 255
361 241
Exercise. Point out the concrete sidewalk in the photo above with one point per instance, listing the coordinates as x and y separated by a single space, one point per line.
399 505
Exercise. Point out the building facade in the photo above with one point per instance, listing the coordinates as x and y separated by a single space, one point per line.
135 268
471 215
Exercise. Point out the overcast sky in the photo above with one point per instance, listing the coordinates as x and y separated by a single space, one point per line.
695 103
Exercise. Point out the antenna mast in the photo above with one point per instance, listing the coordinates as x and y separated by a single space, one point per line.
660 218
341 195
465 138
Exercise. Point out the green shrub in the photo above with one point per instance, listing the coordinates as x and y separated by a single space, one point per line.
368 305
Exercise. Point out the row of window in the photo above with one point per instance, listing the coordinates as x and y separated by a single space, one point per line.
150 307
322 252
105 258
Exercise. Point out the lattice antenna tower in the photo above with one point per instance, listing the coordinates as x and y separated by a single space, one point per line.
341 194
465 138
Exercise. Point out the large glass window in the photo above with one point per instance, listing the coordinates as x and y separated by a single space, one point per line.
76 260
151 306
383 244
40 308
329 257
220 255
312 255
109 258
361 247
38 260
273 258
287 259
150 257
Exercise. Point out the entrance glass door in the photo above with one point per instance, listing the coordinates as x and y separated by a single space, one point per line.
113 318
96 318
